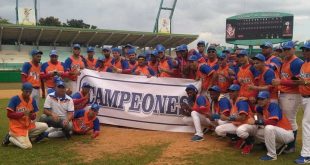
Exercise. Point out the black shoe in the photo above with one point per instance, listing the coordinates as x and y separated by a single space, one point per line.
67 134
6 140
41 137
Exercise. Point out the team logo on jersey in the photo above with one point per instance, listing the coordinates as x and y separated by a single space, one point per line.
75 67
304 75
35 75
285 75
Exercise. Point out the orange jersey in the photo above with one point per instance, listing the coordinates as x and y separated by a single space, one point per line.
72 64
83 124
48 68
132 65
32 72
165 64
205 77
91 64
241 106
287 69
153 66
20 127
261 82
222 81
143 70
269 62
108 62
245 78
305 75
212 64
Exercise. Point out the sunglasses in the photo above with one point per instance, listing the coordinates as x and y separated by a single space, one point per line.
305 50
201 46
286 49
260 99
211 51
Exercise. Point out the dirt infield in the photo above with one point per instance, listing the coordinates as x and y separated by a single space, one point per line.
6 94
114 140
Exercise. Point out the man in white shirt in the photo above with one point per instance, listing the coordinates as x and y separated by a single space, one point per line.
58 112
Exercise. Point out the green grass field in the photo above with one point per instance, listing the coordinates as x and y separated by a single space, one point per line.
59 151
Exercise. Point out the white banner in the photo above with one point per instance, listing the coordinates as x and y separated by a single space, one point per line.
26 16
164 25
137 101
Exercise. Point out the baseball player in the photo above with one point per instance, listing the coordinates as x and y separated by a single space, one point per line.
304 89
195 111
182 68
126 48
165 65
74 64
90 60
224 76
101 65
52 70
245 76
277 51
272 61
276 129
120 65
142 68
153 63
31 73
263 81
106 52
21 111
58 112
290 97
81 99
86 120
212 57
131 54
201 47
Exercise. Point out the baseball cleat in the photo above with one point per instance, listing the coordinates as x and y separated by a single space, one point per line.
267 158
197 138
302 160
6 140
247 149
239 144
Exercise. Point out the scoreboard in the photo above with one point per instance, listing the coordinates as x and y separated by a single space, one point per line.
259 26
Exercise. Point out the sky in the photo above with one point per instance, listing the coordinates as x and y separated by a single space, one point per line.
205 18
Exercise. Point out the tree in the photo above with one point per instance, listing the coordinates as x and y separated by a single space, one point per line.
49 21
4 21
78 24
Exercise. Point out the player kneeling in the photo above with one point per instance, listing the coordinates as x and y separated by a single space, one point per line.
240 119
195 111
21 112
275 129
86 120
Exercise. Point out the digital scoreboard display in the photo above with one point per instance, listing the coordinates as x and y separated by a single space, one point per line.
259 28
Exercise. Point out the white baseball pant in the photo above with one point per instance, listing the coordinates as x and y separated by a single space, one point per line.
228 128
72 85
23 141
197 120
274 137
246 130
35 94
289 104
305 151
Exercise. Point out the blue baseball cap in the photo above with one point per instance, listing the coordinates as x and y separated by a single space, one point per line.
288 45
266 44
57 78
101 58
77 46
263 95
86 85
211 48
222 56
95 107
183 47
278 48
215 88
191 87
160 48
116 50
128 46
142 56
27 86
53 53
35 52
192 58
131 51
90 49
306 45
60 84
154 52
259 57
106 48
243 52
177 49
201 43
234 87
226 51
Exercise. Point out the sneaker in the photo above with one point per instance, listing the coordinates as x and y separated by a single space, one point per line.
247 149
41 137
302 160
289 150
267 158
281 149
197 138
6 140
239 144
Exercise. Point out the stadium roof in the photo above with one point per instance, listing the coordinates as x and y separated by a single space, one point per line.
260 15
64 36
